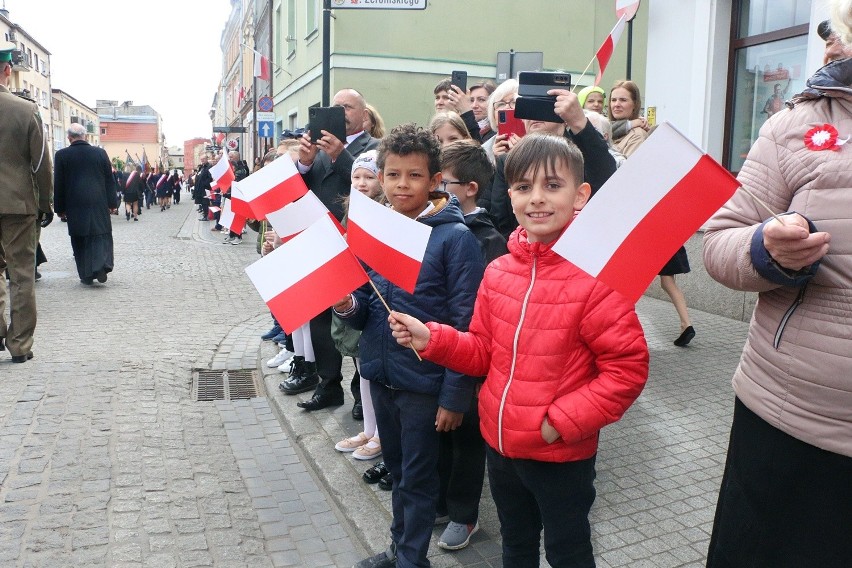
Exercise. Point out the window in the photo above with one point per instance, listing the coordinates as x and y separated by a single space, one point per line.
291 28
768 53
103 131
312 16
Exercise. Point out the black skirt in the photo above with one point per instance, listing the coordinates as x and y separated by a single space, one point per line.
679 264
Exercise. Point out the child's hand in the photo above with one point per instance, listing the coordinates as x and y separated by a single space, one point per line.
343 305
409 331
447 420
266 248
548 432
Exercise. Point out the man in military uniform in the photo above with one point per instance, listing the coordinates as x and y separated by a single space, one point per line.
26 190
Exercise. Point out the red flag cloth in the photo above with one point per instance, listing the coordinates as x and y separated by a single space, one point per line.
295 217
306 275
229 219
646 211
605 52
272 187
223 174
261 67
239 205
390 243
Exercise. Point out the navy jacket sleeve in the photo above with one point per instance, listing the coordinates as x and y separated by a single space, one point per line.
501 207
771 270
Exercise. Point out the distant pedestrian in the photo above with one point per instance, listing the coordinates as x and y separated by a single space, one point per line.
84 196
134 188
26 187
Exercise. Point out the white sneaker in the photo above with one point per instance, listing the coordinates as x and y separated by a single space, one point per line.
236 240
285 366
282 356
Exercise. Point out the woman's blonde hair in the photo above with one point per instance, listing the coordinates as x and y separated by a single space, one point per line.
378 128
451 118
841 20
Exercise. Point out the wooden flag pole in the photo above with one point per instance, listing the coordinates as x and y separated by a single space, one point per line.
763 204
583 74
387 307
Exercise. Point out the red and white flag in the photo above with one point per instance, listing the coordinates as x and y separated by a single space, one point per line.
223 174
231 220
646 211
239 205
605 52
390 243
294 218
306 275
261 67
272 187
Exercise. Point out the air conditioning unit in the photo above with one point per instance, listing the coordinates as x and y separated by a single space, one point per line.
75 119
12 35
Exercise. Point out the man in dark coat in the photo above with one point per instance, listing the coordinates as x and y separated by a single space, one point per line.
84 196
326 168
203 181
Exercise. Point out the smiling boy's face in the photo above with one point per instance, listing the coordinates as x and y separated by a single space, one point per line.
407 183
544 201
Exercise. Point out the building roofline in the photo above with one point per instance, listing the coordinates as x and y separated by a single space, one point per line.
75 99
18 28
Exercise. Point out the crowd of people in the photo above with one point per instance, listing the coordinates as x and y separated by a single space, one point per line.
507 360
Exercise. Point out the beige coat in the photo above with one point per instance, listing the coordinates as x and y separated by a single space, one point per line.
26 176
804 385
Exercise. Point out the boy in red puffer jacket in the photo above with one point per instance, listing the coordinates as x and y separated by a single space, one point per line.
564 356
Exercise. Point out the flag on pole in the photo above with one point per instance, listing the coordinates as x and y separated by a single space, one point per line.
261 66
128 160
294 218
605 52
272 187
223 174
391 244
306 275
229 219
646 211
145 164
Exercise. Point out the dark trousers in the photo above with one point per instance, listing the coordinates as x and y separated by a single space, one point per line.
406 421
461 468
205 207
783 503
329 359
533 494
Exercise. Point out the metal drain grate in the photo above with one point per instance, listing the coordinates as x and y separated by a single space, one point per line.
223 385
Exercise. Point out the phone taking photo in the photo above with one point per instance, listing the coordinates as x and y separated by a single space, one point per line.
508 124
459 79
533 102
330 119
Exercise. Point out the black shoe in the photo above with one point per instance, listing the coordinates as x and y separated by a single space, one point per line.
101 276
37 275
87 281
386 483
22 358
386 559
375 473
2 345
299 384
685 337
357 411
320 401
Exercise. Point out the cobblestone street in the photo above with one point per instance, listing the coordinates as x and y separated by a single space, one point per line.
106 459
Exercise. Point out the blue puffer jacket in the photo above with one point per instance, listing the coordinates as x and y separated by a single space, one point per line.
445 292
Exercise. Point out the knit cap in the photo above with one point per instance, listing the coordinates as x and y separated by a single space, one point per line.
367 160
584 93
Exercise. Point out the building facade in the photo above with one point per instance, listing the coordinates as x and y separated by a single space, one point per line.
132 130
67 110
192 150
30 75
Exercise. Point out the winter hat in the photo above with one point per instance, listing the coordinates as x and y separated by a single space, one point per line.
584 93
367 160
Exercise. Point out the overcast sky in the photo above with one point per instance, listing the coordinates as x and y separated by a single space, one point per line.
97 52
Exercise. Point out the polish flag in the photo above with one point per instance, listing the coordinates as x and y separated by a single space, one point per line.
306 275
213 209
272 187
231 220
391 244
646 211
223 174
239 205
605 51
294 218
261 67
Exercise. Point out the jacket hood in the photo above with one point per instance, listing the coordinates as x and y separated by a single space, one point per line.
447 210
479 218
831 80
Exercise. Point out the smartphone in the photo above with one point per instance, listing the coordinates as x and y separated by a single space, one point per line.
459 79
331 119
507 123
533 102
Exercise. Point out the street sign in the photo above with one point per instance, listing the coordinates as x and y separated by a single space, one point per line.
265 104
266 128
626 8
233 144
379 4
230 129
266 117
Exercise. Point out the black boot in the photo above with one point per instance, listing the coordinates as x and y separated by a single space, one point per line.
303 377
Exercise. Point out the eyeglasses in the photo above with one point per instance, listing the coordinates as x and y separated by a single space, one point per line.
503 105
445 183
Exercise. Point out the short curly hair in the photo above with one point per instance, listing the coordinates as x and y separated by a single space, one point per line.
408 139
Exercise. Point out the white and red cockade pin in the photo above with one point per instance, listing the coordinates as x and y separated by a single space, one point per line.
824 137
